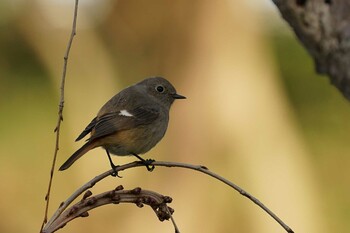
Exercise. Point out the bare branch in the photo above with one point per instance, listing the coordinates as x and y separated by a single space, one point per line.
60 112
137 196
199 168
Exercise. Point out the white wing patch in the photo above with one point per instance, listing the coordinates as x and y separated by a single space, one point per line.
125 113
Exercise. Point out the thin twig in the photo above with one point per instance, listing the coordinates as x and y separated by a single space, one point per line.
60 112
199 168
172 220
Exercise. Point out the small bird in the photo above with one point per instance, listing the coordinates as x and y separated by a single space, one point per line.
131 123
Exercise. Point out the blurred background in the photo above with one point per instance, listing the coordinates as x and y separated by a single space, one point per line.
256 114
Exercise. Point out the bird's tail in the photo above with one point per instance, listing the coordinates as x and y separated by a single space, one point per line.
85 148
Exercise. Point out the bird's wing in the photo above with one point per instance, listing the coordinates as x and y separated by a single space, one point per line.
110 123
87 129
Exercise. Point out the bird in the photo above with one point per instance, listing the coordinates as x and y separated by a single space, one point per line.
131 123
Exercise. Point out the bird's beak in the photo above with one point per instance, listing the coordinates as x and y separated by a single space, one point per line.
177 96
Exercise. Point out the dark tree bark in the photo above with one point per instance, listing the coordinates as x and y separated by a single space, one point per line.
323 27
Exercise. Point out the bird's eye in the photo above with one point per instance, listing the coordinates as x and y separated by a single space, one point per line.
160 88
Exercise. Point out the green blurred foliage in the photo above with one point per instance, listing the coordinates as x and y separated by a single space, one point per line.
26 94
323 115
318 104
27 116
320 108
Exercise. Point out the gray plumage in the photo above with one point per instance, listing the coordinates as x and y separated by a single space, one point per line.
131 122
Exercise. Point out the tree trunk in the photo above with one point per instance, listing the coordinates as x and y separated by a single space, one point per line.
323 27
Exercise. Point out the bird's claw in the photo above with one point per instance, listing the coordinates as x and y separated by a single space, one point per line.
148 164
115 172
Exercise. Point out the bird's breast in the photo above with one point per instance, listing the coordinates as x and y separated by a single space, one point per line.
138 140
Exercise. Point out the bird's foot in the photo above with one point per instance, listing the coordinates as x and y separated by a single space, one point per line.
115 171
148 164
114 167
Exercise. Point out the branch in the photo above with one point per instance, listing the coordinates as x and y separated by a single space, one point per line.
199 168
60 112
323 27
138 196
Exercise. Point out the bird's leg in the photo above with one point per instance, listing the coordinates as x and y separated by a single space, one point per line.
146 162
115 173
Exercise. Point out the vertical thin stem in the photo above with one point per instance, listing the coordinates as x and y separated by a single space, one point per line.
60 112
